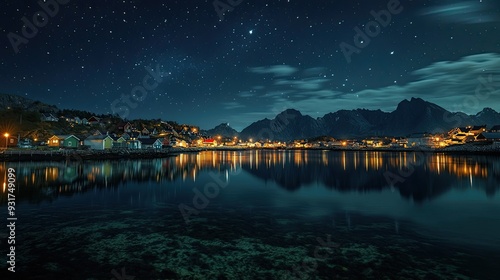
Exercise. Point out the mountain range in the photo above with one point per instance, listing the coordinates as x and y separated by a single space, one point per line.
411 116
222 129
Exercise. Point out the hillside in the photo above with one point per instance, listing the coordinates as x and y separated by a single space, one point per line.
10 101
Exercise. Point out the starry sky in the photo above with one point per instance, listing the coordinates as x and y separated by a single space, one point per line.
189 62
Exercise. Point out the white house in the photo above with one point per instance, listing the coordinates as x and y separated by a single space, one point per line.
151 143
46 117
175 142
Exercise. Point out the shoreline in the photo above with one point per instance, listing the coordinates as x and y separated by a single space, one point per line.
22 155
471 149
81 155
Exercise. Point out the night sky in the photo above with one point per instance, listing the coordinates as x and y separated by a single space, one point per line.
254 61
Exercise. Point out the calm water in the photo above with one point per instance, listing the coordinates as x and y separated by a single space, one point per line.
258 215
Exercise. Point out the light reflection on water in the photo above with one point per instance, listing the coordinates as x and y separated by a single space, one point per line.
323 164
446 198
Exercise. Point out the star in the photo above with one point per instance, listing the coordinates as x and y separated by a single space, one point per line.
250 32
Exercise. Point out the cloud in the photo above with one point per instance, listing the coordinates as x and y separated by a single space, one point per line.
479 64
232 105
246 94
468 85
276 70
314 71
306 84
465 12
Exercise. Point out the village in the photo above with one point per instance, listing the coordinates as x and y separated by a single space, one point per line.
132 135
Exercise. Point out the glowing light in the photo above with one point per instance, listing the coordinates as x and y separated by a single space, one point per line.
6 139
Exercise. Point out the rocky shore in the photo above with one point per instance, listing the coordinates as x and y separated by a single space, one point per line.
79 155
474 148
456 149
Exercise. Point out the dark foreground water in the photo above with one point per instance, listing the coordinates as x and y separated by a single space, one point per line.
257 215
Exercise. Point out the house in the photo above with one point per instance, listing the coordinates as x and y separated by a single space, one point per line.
119 142
495 128
77 120
313 145
151 143
459 133
25 143
209 142
131 135
64 141
134 144
421 140
175 142
126 127
232 143
134 135
96 132
340 143
142 136
399 142
85 121
69 119
464 134
126 136
375 142
10 141
99 142
166 143
145 131
461 137
94 120
47 117
476 130
71 141
250 144
489 136
455 142
56 140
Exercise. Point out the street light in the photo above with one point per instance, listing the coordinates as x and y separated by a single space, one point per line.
6 139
